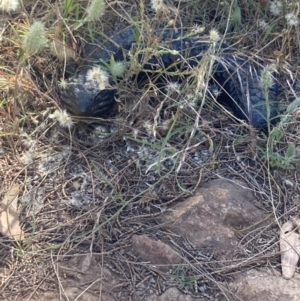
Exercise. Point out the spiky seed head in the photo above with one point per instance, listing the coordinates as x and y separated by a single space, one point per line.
266 79
118 69
35 38
95 10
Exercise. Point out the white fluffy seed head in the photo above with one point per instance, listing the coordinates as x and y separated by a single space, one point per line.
99 76
276 8
63 118
9 5
157 5
172 87
292 19
214 36
262 24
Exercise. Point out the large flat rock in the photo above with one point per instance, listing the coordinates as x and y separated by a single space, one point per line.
211 216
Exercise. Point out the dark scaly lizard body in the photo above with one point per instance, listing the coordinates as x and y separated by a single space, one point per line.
239 79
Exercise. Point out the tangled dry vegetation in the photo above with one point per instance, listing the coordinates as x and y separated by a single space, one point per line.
87 185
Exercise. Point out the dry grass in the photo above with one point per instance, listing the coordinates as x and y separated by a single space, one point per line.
88 188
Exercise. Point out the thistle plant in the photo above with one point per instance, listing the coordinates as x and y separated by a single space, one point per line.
35 38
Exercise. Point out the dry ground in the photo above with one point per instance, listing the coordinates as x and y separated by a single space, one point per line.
86 189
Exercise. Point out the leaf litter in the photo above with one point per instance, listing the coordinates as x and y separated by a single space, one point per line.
9 218
290 248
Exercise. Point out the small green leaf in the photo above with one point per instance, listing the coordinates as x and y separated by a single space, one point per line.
276 135
268 32
136 34
236 15
291 151
293 106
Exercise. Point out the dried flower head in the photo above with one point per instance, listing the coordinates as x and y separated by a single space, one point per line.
9 5
27 158
166 124
157 5
197 29
172 87
95 10
63 118
135 133
27 141
276 8
292 19
214 36
191 99
148 126
35 38
99 76
62 83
